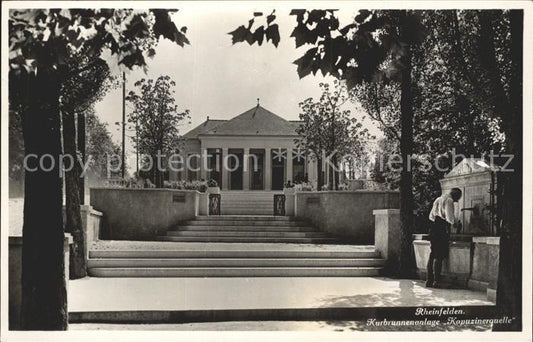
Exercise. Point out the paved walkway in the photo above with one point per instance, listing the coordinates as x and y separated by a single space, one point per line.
129 294
300 326
117 245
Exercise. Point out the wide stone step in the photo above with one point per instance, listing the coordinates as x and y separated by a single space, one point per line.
235 272
323 253
245 218
244 234
235 211
219 228
266 223
248 204
245 202
245 239
234 262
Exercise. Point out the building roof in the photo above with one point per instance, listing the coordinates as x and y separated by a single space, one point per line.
469 166
256 121
203 127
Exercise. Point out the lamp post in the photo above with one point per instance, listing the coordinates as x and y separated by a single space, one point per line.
131 128
123 124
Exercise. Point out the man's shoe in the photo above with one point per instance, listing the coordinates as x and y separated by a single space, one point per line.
438 285
429 283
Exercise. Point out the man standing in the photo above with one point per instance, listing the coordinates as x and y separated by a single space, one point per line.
442 215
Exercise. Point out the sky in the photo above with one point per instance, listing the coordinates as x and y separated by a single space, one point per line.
217 79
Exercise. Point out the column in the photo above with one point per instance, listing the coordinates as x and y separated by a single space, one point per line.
290 176
246 169
224 168
203 163
311 171
268 169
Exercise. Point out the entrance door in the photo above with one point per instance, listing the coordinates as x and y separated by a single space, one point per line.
214 163
256 168
235 164
278 170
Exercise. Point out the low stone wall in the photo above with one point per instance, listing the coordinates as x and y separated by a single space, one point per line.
455 269
92 221
472 263
345 214
387 238
142 214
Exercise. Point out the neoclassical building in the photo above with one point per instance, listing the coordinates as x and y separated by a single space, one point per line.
257 138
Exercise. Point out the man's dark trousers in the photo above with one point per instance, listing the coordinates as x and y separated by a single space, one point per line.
439 237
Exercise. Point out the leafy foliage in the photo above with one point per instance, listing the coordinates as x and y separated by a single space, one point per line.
448 111
51 37
326 128
99 144
270 32
355 52
79 91
156 116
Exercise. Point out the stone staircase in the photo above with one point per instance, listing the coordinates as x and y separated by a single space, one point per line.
239 246
247 202
248 229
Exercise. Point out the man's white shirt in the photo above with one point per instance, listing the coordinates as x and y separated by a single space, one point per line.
443 208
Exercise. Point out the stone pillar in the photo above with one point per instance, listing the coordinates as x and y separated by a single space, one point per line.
387 238
203 204
224 167
246 169
289 201
268 169
203 163
290 176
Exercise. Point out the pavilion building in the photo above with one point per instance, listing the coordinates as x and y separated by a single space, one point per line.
256 150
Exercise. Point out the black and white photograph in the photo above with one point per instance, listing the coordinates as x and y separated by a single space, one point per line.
252 170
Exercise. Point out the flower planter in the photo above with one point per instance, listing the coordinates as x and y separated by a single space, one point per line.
288 191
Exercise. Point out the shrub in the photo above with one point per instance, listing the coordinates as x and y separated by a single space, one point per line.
304 187
187 185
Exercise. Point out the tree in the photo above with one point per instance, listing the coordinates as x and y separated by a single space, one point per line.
487 56
376 47
99 145
41 43
16 154
447 115
327 130
78 92
156 116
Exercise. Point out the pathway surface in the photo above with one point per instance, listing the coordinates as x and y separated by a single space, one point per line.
300 326
122 294
116 245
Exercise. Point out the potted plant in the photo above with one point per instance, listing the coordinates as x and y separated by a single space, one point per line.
212 187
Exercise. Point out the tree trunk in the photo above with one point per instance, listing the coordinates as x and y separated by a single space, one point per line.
44 296
74 226
407 267
81 147
509 291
